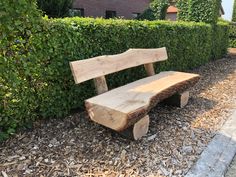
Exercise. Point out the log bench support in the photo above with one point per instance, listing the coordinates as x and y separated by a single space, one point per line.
125 109
137 130
178 99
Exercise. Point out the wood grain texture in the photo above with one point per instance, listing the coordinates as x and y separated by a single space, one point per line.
84 70
149 69
124 106
100 85
137 130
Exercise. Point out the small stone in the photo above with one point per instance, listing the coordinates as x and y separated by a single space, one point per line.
28 171
123 155
178 172
22 158
4 174
115 163
187 149
185 128
152 137
193 135
46 160
35 147
12 157
164 171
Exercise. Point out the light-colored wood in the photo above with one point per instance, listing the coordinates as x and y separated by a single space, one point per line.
83 70
178 99
149 69
232 52
123 106
184 97
138 130
101 85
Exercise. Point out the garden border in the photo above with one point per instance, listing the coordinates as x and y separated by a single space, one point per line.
216 158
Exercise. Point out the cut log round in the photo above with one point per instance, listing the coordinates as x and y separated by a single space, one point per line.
122 107
138 130
178 99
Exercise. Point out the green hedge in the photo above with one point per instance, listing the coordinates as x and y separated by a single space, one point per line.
46 87
220 39
199 10
232 35
17 95
183 12
204 10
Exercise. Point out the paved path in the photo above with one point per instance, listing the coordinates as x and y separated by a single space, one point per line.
215 159
232 169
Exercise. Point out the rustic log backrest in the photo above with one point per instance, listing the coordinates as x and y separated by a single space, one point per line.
96 68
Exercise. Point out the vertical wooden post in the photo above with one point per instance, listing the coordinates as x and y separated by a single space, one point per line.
149 69
100 84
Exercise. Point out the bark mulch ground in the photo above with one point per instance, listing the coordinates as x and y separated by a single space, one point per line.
75 146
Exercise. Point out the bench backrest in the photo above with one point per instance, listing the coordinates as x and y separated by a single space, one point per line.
97 67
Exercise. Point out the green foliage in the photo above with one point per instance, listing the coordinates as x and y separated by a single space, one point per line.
232 35
220 39
156 11
199 10
183 10
17 94
36 80
148 14
204 11
234 12
55 8
159 8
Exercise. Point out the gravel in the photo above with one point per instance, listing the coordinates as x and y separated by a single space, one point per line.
75 146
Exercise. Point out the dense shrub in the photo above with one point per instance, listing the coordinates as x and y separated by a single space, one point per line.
17 94
204 10
232 35
55 8
199 10
220 39
156 11
183 10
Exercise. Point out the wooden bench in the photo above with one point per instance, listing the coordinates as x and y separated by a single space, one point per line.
125 109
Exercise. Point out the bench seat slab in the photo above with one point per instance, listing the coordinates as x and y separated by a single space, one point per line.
124 106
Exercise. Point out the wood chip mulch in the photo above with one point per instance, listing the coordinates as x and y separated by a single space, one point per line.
75 146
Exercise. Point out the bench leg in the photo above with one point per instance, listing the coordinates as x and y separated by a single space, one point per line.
179 99
137 130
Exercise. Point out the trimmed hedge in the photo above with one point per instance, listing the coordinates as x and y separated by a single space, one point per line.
199 10
232 35
183 13
220 39
204 10
17 95
48 88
